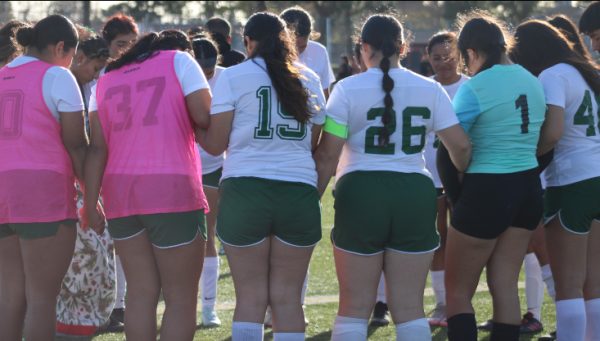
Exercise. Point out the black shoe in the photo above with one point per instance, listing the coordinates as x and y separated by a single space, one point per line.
379 318
530 325
118 315
487 326
112 326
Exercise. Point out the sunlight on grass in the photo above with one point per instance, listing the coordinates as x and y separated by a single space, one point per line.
323 282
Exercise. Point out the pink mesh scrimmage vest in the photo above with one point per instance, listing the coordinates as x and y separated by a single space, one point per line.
153 164
36 174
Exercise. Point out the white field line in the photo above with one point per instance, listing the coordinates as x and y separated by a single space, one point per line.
325 299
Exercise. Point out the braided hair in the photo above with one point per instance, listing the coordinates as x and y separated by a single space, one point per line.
384 33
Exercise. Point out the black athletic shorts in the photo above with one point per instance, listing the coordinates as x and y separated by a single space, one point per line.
491 203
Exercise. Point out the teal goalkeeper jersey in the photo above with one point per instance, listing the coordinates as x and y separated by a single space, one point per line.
502 109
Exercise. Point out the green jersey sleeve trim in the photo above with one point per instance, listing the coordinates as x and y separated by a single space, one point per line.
336 129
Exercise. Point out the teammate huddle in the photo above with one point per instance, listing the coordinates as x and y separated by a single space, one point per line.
270 141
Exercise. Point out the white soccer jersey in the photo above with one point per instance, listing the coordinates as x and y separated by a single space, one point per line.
577 154
420 105
432 142
264 141
212 163
316 58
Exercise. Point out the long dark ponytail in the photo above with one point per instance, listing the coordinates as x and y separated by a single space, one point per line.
151 44
540 46
276 48
384 33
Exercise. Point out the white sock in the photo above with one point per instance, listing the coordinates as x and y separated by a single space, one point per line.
570 319
549 280
349 329
437 283
288 336
592 312
381 290
208 280
304 288
247 331
534 285
121 285
415 330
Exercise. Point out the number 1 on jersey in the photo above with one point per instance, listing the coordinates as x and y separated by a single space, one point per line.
521 103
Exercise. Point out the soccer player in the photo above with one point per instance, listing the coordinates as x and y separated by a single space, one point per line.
310 52
120 32
571 207
267 113
207 56
589 24
9 48
385 200
88 290
443 56
220 32
42 151
143 156
500 203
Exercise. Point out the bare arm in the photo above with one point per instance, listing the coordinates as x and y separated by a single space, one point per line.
316 135
458 144
198 105
94 171
75 140
215 139
326 158
552 129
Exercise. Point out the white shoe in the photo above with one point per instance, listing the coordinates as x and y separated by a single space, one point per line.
438 317
210 318
268 318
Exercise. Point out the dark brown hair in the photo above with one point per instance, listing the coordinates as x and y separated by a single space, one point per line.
485 34
568 28
118 24
299 21
151 44
590 19
540 46
443 37
276 48
48 31
8 40
384 33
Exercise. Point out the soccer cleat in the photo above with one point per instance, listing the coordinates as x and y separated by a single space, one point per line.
438 317
379 318
530 325
210 318
118 315
487 325
112 326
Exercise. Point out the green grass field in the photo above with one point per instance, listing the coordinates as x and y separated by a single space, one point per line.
321 299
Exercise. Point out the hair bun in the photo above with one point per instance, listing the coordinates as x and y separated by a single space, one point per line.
26 36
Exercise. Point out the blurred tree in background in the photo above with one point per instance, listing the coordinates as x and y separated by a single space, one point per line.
337 21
